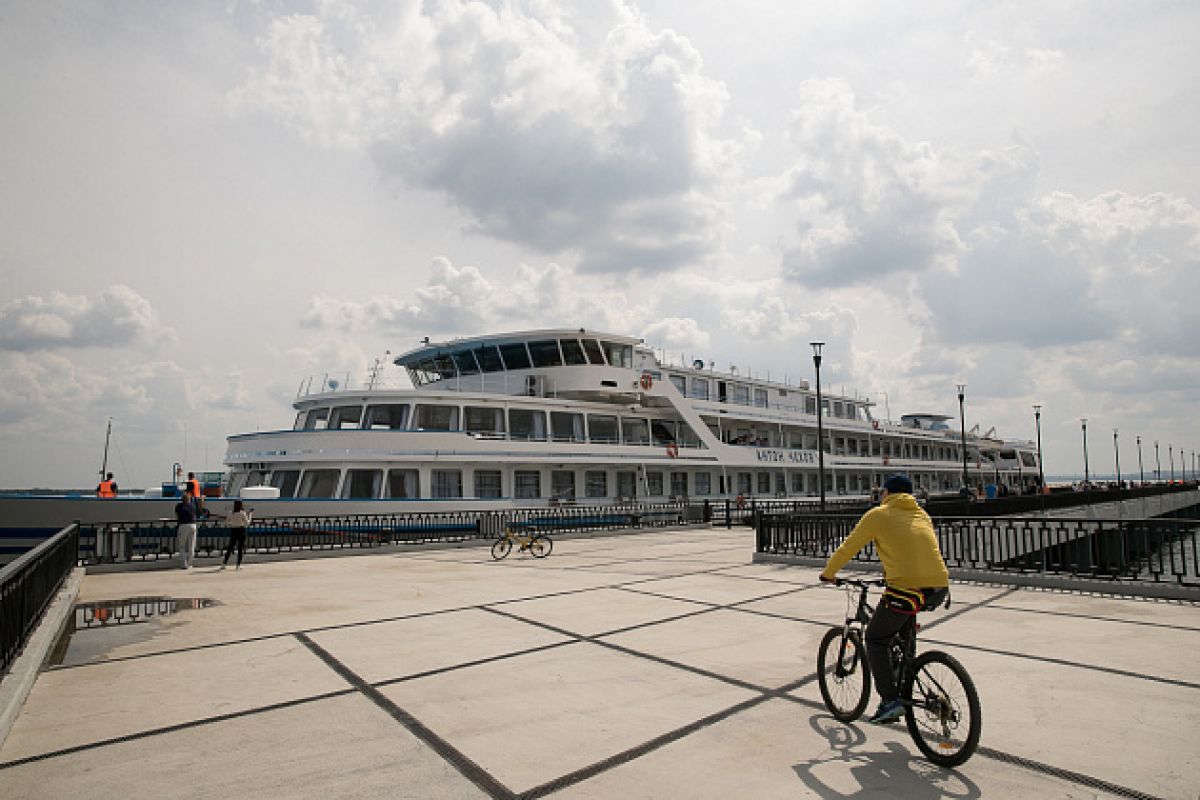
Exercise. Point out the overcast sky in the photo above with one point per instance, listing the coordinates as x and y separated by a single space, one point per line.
202 204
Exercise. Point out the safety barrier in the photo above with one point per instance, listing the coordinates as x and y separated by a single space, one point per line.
27 587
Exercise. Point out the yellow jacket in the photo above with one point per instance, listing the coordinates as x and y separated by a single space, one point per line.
904 537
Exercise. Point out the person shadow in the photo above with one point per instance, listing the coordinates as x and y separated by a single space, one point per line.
852 768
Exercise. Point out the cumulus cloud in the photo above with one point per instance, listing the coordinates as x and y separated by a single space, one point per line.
989 58
867 204
119 317
571 128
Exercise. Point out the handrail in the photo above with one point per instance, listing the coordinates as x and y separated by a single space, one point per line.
27 587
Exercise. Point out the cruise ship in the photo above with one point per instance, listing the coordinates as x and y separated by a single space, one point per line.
572 416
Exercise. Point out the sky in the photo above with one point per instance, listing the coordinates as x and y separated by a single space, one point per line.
203 204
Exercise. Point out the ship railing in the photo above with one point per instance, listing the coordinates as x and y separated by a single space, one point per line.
1157 550
27 587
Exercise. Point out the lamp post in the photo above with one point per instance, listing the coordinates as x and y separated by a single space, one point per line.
1087 475
962 418
1117 457
1141 472
1157 464
1171 455
816 346
1037 419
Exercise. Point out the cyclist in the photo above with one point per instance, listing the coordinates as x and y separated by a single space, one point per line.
913 568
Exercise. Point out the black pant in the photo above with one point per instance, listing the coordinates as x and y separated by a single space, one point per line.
237 537
886 623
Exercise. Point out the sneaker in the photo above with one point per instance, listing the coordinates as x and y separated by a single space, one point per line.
889 711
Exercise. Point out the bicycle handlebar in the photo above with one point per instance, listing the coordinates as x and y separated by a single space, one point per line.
859 583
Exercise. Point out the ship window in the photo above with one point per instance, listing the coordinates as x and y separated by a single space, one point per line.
627 484
663 433
487 483
489 358
595 483
743 483
527 483
703 481
634 431
403 484
362 484
700 388
316 419
797 483
391 416
1028 460
687 436
515 356
593 351
680 383
285 481
619 355
345 417
298 425
810 405
526 424
740 394
562 484
566 427
602 429
447 483
256 478
465 361
654 483
319 483
437 418
679 484
545 353
236 481
764 483
483 419
572 352
422 372
443 366
760 398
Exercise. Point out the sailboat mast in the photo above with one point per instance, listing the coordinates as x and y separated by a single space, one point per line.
107 436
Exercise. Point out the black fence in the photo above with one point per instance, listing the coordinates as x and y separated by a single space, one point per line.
1035 503
148 541
27 587
1131 549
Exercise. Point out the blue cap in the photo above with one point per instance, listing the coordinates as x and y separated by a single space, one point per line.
898 484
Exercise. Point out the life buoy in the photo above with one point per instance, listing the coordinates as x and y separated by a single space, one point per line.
646 381
673 450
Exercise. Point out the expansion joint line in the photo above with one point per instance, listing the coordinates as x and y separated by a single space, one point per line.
453 756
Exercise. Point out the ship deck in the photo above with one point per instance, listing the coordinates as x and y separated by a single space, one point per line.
656 664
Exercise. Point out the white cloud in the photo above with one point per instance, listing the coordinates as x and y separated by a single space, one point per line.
118 318
568 129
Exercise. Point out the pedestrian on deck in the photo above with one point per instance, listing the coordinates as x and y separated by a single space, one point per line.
185 530
107 487
238 521
193 486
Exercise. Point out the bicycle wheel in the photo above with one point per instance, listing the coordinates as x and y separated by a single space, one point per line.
944 717
540 546
843 675
501 547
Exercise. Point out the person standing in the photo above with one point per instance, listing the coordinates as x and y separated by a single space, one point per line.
185 530
193 486
238 521
107 487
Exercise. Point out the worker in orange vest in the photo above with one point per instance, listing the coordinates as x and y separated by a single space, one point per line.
107 487
192 485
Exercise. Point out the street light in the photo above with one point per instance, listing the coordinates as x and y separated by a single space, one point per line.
1141 472
1086 473
962 388
1117 457
1171 456
1157 464
1037 419
816 346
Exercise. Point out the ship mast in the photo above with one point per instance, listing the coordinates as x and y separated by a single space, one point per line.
104 463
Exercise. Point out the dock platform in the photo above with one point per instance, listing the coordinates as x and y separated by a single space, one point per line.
651 665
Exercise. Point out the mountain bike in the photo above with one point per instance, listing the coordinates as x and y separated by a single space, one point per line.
538 545
941 706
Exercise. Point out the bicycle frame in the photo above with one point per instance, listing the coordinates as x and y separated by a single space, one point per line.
903 649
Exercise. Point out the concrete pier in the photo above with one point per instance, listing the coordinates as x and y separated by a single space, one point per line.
649 665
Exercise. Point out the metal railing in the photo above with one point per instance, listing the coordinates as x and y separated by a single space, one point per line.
149 541
27 587
1154 550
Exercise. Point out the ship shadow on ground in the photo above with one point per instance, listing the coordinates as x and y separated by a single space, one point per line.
852 768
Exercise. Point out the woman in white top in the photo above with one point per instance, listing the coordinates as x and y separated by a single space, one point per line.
238 521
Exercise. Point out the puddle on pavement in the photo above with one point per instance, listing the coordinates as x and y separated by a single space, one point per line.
96 629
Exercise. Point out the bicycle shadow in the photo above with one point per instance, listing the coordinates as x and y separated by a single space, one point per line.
850 769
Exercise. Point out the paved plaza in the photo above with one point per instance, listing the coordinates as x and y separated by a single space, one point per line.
658 664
